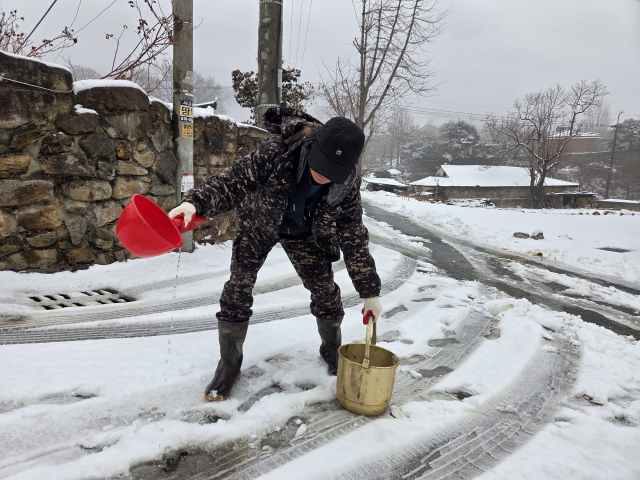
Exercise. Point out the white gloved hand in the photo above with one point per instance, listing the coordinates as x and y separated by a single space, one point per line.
371 305
187 209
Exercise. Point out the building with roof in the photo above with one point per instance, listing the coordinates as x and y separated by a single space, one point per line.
390 173
481 181
583 142
386 184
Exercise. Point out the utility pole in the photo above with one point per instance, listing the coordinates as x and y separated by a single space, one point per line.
269 57
613 150
182 118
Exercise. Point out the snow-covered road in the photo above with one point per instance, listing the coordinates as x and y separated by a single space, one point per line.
491 386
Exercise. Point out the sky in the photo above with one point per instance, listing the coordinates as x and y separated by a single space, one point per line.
490 53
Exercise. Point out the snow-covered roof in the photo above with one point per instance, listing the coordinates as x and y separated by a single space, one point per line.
482 176
576 192
577 136
384 181
393 171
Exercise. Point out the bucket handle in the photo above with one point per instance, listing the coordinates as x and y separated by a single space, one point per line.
367 345
373 335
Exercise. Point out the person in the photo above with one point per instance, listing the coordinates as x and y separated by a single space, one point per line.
300 188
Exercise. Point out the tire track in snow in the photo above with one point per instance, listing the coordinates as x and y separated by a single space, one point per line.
493 432
403 271
135 309
399 221
464 450
325 422
487 267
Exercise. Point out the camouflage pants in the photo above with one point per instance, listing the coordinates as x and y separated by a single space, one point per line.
250 250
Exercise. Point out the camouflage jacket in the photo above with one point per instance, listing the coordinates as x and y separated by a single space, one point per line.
258 185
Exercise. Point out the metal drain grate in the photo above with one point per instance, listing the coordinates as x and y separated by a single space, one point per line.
615 249
86 298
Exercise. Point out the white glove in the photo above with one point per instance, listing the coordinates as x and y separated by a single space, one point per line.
371 305
187 209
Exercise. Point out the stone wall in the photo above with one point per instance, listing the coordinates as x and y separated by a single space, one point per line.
488 192
619 205
67 172
217 142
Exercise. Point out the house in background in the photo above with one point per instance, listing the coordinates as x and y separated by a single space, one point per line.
480 181
584 142
387 184
391 173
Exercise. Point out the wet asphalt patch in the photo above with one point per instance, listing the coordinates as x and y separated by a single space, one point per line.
599 319
443 255
614 249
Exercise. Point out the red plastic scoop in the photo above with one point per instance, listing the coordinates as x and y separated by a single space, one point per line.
146 231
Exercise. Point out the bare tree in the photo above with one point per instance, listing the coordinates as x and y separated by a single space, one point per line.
156 80
374 157
598 118
204 88
80 72
12 40
155 36
391 61
586 174
541 127
154 31
399 126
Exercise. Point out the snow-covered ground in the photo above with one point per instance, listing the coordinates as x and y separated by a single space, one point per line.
573 237
92 409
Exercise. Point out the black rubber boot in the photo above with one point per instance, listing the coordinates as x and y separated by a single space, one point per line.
329 330
231 336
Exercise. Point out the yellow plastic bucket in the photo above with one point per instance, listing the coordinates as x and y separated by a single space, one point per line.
366 374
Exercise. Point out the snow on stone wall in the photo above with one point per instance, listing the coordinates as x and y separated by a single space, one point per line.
70 162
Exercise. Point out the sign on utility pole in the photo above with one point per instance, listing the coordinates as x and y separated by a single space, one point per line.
182 119
269 57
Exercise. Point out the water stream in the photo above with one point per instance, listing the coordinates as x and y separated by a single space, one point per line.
175 290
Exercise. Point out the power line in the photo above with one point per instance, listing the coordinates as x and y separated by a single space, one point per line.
455 115
436 112
75 18
290 32
70 27
449 113
306 34
37 24
554 126
439 110
299 27
469 105
91 21
355 13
